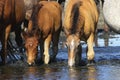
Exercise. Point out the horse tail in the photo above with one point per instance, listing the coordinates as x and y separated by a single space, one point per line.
75 17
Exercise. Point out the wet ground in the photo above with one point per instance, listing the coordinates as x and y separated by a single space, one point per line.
107 65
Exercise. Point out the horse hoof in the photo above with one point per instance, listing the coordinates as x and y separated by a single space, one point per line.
91 63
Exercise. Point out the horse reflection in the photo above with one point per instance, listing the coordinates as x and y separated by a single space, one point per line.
31 73
91 73
87 73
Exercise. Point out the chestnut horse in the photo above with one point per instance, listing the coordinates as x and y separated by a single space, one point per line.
80 20
44 27
11 15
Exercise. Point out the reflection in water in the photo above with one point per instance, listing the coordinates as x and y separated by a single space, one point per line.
88 73
108 72
31 73
42 73
74 74
51 72
11 73
91 73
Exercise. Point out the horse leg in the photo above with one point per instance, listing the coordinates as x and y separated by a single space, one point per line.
3 50
18 37
19 41
55 41
46 49
4 43
41 50
90 50
78 55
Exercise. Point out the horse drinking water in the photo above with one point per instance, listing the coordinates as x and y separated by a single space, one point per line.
44 27
80 19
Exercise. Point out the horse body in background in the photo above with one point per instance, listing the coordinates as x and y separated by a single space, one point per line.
12 14
44 26
80 20
111 14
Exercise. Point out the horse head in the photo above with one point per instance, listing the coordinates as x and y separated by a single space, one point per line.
31 43
73 45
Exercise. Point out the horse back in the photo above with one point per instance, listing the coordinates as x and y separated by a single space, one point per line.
13 11
48 17
80 14
89 10
55 10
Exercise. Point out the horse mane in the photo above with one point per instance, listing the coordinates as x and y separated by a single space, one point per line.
33 27
75 17
34 16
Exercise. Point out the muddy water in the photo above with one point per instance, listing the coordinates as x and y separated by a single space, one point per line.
107 65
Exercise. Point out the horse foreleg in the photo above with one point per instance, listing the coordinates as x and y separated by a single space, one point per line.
78 55
46 49
41 50
18 37
4 43
90 50
55 41
3 51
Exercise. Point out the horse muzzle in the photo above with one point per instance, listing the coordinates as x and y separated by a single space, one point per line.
71 62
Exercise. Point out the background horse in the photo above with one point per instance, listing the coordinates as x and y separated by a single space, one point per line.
80 19
111 14
11 16
44 27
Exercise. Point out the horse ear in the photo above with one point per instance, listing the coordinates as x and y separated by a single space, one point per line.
24 34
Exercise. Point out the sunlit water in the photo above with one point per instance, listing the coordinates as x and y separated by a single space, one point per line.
107 65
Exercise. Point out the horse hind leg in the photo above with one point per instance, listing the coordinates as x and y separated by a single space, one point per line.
4 39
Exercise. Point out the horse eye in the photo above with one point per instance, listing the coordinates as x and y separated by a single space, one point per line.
30 45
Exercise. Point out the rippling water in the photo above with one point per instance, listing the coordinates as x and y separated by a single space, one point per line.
107 65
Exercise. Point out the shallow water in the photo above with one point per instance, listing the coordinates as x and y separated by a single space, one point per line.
107 65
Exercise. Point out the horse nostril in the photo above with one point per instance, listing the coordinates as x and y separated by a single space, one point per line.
31 63
71 63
